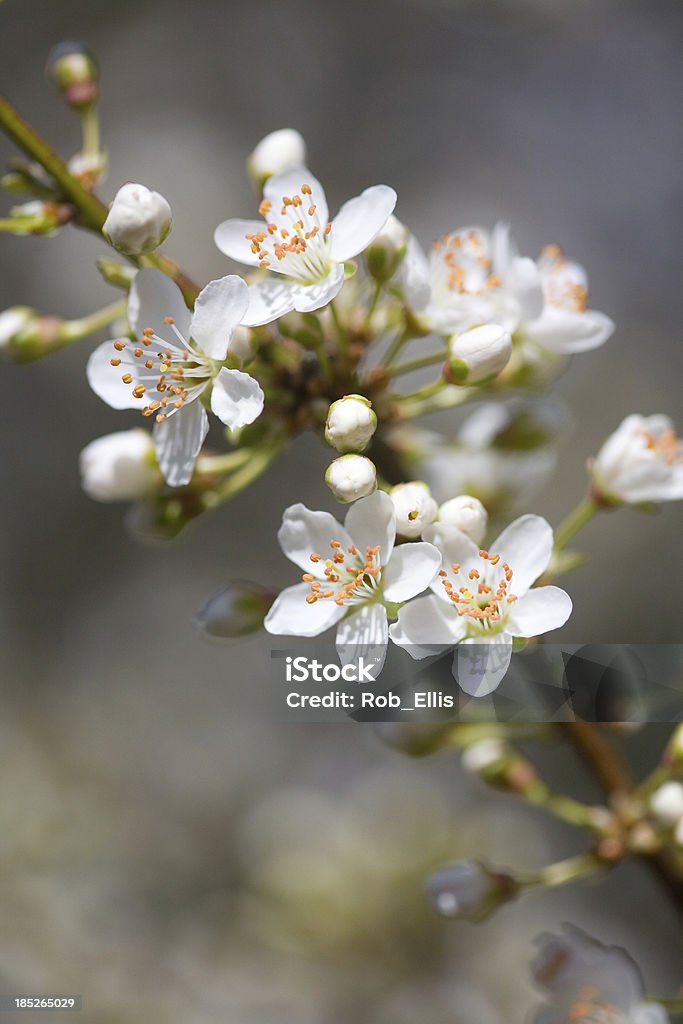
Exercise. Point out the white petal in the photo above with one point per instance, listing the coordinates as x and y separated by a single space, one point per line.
236 398
154 296
218 310
359 220
523 279
480 665
290 614
566 331
526 545
372 522
411 569
314 296
503 249
427 626
268 300
539 611
231 238
413 275
304 532
105 379
289 184
178 441
364 634
456 548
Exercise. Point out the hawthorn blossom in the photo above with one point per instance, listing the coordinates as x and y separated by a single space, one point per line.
351 573
641 461
175 361
476 277
297 242
119 467
483 598
589 982
138 220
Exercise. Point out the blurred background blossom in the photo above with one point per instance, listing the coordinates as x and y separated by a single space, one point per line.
167 849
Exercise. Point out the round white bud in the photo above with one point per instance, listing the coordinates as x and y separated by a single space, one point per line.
119 467
351 477
387 250
481 755
12 322
468 514
277 152
138 220
415 508
350 423
666 803
479 354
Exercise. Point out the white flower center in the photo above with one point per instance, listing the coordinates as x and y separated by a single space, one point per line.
298 244
485 594
564 285
461 264
667 447
177 372
350 577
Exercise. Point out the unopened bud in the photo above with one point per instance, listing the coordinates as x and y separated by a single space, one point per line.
25 335
302 327
351 477
385 253
415 508
89 168
277 152
350 423
117 274
237 611
467 514
74 71
483 755
138 220
479 354
39 217
666 803
469 890
120 466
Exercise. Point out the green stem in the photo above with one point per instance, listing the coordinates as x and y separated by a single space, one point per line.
90 124
91 212
575 521
428 391
416 364
377 291
211 464
241 478
73 330
562 872
395 347
339 327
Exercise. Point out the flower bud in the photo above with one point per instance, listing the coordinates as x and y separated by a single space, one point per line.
385 253
14 323
478 758
467 514
89 168
478 354
666 803
117 274
119 467
350 424
415 508
275 153
302 327
25 335
74 71
237 611
39 217
351 477
469 890
138 220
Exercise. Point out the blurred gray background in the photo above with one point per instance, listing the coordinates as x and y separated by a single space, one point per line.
166 848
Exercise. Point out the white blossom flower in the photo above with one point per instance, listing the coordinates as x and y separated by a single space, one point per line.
477 277
276 152
590 982
350 424
176 358
483 598
138 220
467 514
120 466
298 243
351 573
351 477
479 354
666 803
415 508
641 461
